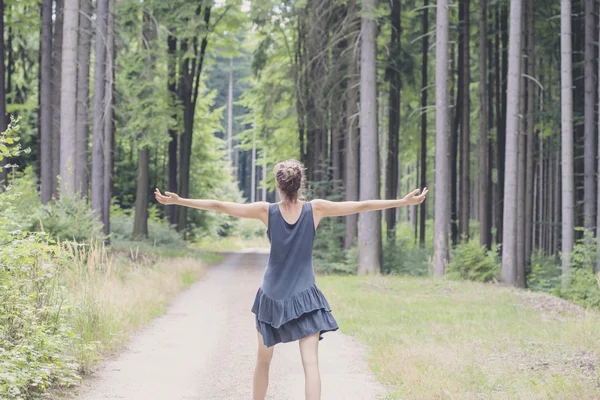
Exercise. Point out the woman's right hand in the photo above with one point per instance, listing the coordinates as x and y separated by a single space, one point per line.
167 199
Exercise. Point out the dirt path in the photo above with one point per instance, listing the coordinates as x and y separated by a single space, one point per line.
204 348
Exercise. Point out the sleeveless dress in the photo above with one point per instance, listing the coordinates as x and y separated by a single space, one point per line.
289 306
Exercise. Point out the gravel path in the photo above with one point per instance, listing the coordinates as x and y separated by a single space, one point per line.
204 347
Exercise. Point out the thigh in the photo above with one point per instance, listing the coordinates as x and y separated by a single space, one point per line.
265 354
309 349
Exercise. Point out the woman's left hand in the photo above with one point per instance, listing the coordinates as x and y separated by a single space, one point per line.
414 198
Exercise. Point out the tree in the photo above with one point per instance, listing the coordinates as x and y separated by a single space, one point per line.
566 95
465 116
46 102
56 92
3 122
424 67
108 120
68 94
352 146
442 164
140 223
589 200
509 254
485 238
83 92
99 109
394 77
369 232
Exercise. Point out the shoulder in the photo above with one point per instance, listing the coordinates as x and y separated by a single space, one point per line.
319 204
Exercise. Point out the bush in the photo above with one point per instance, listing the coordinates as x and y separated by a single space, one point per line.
582 287
473 262
545 274
34 333
159 232
401 258
70 218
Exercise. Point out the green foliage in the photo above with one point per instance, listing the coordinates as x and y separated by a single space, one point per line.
545 274
404 259
70 218
582 287
471 261
329 254
159 232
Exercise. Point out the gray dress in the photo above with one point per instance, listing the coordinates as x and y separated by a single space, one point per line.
288 305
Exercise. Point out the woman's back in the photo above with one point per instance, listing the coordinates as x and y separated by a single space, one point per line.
290 266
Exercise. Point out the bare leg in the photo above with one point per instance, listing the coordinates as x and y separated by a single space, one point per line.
261 371
309 351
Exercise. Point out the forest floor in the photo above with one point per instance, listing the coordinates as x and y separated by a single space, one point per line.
431 339
204 348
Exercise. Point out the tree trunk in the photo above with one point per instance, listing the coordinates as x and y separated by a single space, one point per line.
188 91
83 93
521 154
99 104
3 121
369 234
484 202
253 176
531 90
589 201
424 67
46 102
442 167
172 151
465 134
68 93
394 77
230 112
567 189
352 150
56 93
598 176
509 261
140 222
108 120
264 174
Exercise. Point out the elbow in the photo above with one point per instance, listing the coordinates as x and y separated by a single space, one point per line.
217 206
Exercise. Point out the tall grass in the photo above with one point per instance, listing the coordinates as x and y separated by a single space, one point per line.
113 294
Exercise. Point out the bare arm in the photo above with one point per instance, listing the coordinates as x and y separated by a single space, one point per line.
325 208
258 210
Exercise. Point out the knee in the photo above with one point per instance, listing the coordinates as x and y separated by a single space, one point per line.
264 359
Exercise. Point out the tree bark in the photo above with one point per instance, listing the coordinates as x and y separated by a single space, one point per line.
188 89
230 112
566 136
68 93
83 93
509 261
108 120
46 102
394 77
369 234
3 119
99 104
484 203
521 154
172 150
465 134
352 149
424 67
253 176
589 200
442 167
56 93
531 90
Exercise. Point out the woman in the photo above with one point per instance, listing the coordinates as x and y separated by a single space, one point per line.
288 305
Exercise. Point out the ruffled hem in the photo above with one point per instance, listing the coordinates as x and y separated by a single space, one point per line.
278 312
306 325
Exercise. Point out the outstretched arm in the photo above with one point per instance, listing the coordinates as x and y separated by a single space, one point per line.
325 208
258 210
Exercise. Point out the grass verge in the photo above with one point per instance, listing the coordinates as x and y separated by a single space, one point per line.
462 340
